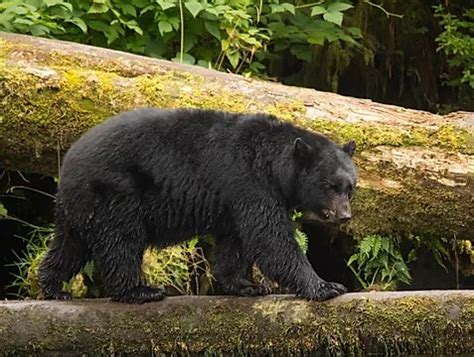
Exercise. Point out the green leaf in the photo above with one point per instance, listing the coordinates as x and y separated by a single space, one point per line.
155 47
289 7
317 10
205 64
39 30
411 256
166 4
355 32
129 10
187 58
148 8
224 45
79 23
233 58
352 259
164 27
377 245
67 6
276 8
302 52
285 7
366 246
50 3
111 34
339 6
334 17
194 7
60 12
98 9
140 3
348 39
316 38
174 21
3 211
88 270
22 21
302 240
98 26
213 28
133 25
17 10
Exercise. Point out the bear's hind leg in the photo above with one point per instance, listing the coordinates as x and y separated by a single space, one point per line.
233 272
118 259
65 257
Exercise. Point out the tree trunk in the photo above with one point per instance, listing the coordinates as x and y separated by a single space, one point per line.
416 169
408 323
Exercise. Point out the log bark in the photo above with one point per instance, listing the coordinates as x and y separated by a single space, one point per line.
436 322
416 168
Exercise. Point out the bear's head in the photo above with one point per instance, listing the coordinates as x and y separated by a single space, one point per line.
324 178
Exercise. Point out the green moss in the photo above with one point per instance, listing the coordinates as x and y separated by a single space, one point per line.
407 209
450 137
274 325
368 136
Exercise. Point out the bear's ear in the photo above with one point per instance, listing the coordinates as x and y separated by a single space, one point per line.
349 147
301 150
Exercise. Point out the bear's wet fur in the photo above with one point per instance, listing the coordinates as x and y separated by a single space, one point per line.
152 177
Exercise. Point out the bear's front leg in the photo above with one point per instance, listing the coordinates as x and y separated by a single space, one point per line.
233 271
268 240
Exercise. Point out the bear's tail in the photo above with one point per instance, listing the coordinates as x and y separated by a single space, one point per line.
65 257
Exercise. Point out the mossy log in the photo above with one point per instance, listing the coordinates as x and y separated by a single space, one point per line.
437 322
416 169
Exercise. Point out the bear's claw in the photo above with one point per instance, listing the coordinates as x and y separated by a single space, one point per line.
325 290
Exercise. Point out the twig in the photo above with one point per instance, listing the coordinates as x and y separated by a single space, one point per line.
380 7
181 40
13 188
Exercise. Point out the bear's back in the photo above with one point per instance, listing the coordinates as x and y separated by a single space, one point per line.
136 136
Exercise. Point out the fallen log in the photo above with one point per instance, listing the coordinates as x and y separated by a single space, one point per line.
416 168
430 322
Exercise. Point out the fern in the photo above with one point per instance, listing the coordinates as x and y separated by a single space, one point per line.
379 264
300 236
302 240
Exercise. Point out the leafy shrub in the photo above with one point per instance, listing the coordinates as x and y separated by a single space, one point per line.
180 269
39 18
457 42
27 278
236 35
378 264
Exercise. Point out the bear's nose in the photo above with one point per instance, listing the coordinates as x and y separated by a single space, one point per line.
344 215
344 219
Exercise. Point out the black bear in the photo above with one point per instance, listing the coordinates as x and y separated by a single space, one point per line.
152 177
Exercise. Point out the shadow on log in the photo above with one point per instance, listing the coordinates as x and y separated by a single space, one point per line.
416 168
423 322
